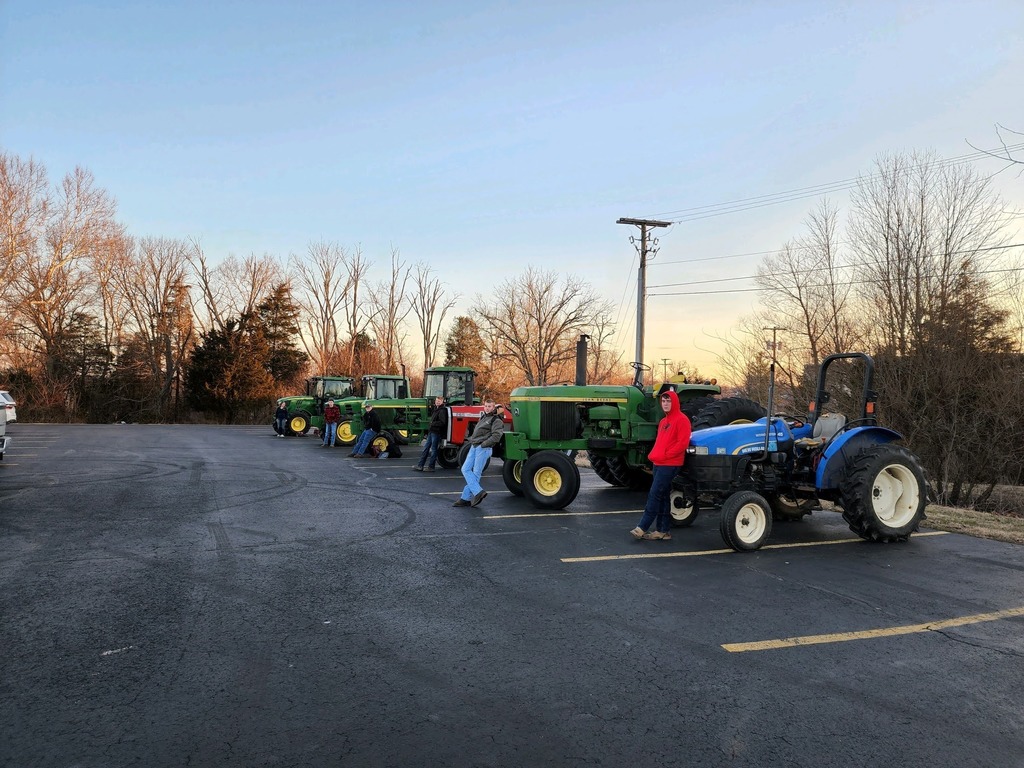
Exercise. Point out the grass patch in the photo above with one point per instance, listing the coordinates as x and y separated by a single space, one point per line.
984 525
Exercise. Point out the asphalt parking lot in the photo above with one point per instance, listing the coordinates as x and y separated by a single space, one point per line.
200 595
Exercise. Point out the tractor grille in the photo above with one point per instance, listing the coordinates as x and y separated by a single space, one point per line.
558 421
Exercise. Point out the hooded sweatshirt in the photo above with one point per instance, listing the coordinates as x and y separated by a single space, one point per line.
673 436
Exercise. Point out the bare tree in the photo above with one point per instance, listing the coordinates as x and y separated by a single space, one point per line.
534 320
233 288
322 291
389 308
430 305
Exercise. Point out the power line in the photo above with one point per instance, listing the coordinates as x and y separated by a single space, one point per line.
696 213
825 269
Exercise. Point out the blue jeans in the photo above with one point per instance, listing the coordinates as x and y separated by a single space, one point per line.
363 443
330 433
430 450
657 509
281 425
473 468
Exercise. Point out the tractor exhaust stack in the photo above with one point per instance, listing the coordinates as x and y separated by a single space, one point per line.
581 360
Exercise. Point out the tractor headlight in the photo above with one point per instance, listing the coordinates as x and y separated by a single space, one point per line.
698 450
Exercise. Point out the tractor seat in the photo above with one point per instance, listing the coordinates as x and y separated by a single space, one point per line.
826 427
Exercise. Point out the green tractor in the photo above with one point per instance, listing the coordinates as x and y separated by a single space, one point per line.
307 411
405 419
615 425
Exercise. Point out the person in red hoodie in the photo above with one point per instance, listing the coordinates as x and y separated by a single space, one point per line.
667 457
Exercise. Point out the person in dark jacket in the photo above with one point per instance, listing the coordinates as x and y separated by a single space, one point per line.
436 432
667 457
488 433
281 419
371 428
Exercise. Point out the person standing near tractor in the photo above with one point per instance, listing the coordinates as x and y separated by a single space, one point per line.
332 416
435 434
371 424
482 442
667 457
281 419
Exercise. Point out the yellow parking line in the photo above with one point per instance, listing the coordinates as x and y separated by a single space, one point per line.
563 514
700 553
842 637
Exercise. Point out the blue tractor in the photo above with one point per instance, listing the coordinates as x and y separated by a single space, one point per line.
779 467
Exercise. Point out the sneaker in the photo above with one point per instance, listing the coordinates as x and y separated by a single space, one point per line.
428 469
461 503
638 533
478 498
280 435
417 468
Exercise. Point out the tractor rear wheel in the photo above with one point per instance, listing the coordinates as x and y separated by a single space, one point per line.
298 423
550 480
345 434
790 508
512 474
600 466
728 410
746 521
631 477
883 493
448 456
464 454
682 506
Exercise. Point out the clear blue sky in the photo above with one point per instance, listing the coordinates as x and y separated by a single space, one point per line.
485 136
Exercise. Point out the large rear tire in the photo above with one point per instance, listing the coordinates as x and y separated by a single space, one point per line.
746 521
883 493
600 466
512 474
633 478
728 410
448 456
550 480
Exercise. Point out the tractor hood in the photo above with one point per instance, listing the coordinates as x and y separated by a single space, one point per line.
738 439
577 394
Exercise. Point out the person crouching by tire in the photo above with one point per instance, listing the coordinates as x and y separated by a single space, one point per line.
371 424
485 437
667 457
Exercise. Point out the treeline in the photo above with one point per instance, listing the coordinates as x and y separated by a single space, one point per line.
104 326
924 272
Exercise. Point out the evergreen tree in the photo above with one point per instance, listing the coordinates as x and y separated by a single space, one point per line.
464 345
278 316
229 370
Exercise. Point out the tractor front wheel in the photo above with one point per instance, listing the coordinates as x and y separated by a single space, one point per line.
448 456
298 423
345 434
682 506
512 474
383 443
883 493
550 480
746 521
790 508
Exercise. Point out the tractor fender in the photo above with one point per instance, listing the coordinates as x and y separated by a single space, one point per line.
841 450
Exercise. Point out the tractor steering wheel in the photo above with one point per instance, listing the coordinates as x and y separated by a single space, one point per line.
791 421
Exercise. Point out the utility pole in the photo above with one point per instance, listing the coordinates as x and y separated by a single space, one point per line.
664 368
644 248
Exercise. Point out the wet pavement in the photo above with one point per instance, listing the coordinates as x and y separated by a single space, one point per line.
202 595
